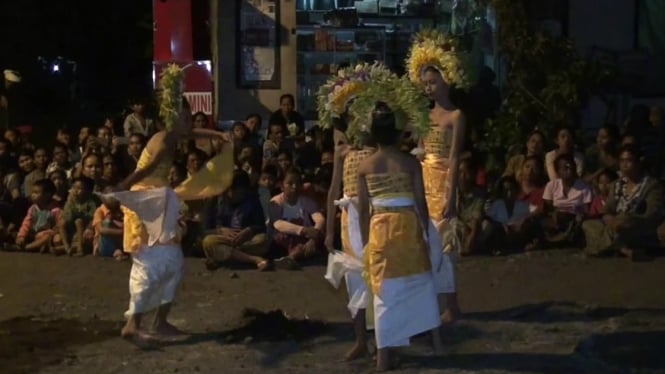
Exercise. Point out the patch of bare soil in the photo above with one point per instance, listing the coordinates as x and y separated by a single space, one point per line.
548 312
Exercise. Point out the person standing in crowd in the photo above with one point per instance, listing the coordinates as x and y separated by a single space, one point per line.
436 64
286 115
137 122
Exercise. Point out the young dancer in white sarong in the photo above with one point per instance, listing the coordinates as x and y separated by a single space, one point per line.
390 186
435 63
151 213
350 150
393 219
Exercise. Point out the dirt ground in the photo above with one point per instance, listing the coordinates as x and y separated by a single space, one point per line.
553 312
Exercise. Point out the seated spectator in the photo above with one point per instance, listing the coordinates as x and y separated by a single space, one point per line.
177 174
327 157
470 206
200 121
532 186
254 122
273 144
28 172
633 212
239 133
507 226
284 162
127 158
567 201
195 161
38 230
92 168
602 188
267 189
110 171
534 148
59 179
60 160
76 228
317 189
602 155
108 226
238 232
286 115
297 222
565 141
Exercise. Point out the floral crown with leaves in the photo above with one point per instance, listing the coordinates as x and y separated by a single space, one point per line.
406 100
170 97
335 95
432 48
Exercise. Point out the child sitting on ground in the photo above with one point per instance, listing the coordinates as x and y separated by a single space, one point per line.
602 189
37 233
76 222
505 227
297 222
108 225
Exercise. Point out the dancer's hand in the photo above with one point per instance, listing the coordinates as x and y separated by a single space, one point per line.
330 243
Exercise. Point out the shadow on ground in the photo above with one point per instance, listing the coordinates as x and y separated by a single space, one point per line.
28 344
556 312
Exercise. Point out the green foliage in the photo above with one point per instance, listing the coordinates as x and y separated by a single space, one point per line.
547 82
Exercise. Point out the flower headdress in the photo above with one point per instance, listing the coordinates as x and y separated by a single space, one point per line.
407 101
172 88
334 96
433 48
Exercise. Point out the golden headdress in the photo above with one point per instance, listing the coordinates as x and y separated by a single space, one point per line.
433 48
170 99
334 96
407 101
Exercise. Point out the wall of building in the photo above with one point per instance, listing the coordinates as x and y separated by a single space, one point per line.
233 103
602 23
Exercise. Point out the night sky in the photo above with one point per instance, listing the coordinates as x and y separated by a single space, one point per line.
110 41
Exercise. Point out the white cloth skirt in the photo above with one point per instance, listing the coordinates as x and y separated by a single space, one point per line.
351 268
443 263
154 278
406 307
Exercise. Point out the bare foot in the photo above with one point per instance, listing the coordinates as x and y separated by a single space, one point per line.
357 351
166 331
387 365
263 265
450 315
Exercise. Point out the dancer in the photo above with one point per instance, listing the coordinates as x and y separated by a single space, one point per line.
151 211
334 98
393 218
435 63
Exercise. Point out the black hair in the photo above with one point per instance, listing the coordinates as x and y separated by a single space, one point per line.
25 153
566 128
271 170
180 169
285 153
59 171
88 184
636 152
293 172
254 115
500 189
287 96
323 176
241 180
470 163
609 173
138 135
46 185
384 127
339 123
612 131
568 158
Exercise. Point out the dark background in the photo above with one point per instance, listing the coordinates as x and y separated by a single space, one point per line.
109 41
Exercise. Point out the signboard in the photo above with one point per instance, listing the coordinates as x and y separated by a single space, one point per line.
200 102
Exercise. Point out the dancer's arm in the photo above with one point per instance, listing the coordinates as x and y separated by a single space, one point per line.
140 174
459 129
333 193
363 207
207 133
419 195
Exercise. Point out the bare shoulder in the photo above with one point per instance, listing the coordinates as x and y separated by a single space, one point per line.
457 116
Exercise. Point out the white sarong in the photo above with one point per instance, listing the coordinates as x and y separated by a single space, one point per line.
351 268
154 278
408 305
442 256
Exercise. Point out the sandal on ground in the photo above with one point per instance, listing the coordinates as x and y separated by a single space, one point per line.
286 263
